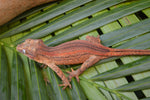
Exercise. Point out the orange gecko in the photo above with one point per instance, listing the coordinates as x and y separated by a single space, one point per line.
88 52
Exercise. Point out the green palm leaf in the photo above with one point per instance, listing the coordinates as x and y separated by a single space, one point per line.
22 78
126 32
137 66
4 75
137 85
45 16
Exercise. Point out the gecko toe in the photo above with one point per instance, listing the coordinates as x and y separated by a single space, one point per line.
68 72
77 78
46 81
65 84
43 66
64 87
73 74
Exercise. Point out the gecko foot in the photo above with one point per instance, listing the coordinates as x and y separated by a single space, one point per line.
46 81
44 66
65 84
73 74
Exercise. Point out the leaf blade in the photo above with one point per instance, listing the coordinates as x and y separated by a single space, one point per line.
40 18
137 85
91 91
126 32
97 22
4 75
124 70
70 18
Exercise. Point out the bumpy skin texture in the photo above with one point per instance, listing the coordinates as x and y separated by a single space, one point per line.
11 8
88 52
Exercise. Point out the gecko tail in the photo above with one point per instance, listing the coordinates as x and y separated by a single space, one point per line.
126 52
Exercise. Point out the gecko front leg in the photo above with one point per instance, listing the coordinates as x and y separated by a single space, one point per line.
59 72
88 63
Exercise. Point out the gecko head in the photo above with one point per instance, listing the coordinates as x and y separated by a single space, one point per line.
29 47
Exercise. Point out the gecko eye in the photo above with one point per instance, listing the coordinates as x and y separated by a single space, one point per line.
24 51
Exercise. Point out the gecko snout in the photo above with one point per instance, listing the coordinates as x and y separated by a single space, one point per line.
19 48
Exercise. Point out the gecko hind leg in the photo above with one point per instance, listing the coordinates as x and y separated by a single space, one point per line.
93 39
88 63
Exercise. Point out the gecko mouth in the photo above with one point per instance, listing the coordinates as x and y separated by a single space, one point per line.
18 48
23 51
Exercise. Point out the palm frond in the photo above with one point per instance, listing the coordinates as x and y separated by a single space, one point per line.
118 22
